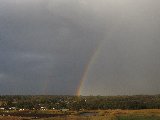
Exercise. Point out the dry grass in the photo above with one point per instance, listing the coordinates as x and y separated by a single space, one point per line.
112 115
11 118
101 115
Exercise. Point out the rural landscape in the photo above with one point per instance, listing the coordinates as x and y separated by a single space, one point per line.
79 59
140 107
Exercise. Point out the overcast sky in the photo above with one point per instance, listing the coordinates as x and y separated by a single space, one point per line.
45 46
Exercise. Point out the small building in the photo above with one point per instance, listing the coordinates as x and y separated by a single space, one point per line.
12 108
64 110
21 109
43 108
2 108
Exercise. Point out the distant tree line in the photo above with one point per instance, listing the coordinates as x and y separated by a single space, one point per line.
81 102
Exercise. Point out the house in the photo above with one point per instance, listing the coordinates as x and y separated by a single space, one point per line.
2 108
21 109
12 108
43 108
64 110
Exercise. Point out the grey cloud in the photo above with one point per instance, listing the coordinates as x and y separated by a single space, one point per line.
45 46
128 61
46 42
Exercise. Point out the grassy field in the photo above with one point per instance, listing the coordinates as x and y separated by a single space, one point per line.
116 115
148 114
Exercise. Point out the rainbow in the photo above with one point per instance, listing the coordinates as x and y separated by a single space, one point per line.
91 61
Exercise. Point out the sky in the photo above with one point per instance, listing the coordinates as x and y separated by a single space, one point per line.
79 47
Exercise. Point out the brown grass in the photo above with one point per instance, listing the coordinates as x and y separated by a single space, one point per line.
101 115
11 118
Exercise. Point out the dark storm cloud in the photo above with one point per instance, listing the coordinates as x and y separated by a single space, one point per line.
45 46
129 59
